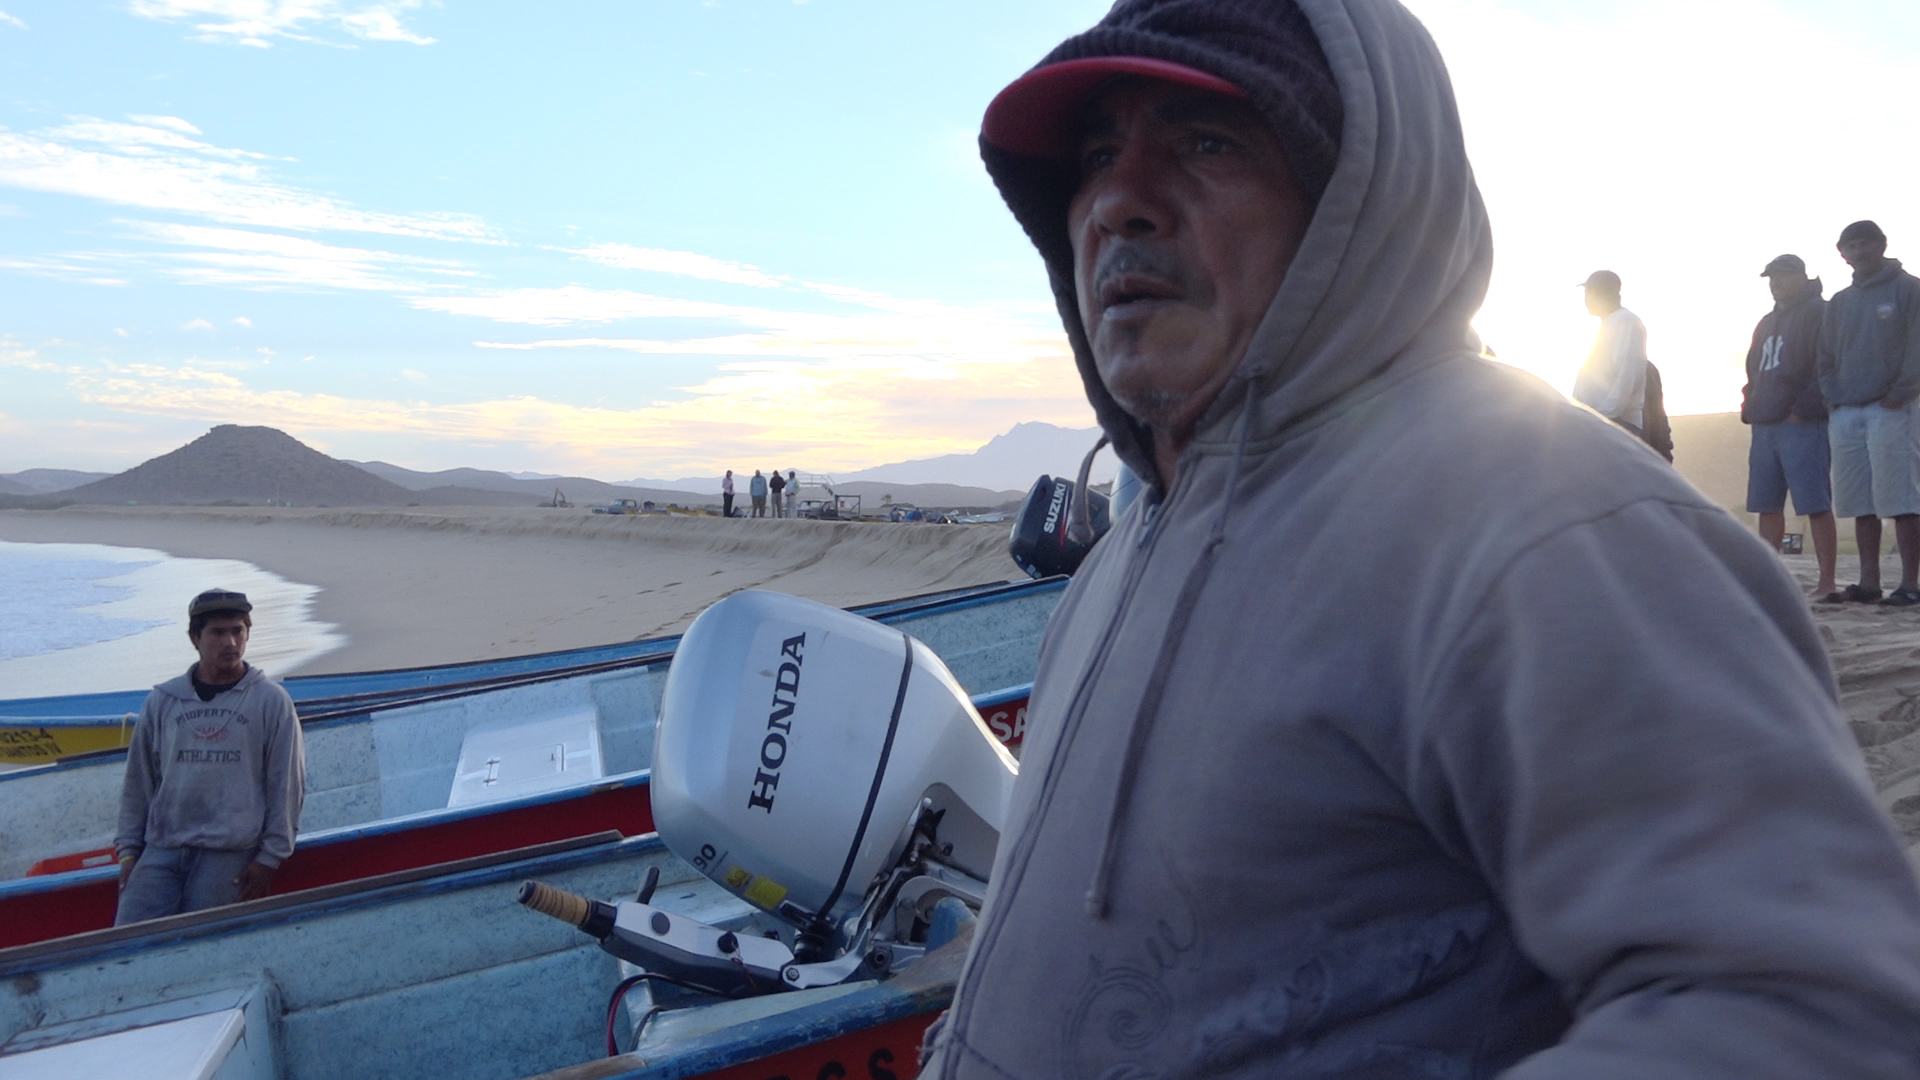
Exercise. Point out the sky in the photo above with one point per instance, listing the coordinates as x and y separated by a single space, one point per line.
657 238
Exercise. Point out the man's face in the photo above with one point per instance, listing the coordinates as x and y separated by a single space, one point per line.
1865 250
1601 301
222 642
1785 284
1185 221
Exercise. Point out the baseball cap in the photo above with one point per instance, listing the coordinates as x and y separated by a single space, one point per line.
1785 264
1862 230
1602 279
219 600
1034 115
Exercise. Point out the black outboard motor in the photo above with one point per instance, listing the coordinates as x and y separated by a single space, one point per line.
1039 543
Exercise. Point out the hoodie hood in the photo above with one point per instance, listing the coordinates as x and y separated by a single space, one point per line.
1396 260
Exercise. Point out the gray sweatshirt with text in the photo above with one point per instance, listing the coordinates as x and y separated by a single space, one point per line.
228 774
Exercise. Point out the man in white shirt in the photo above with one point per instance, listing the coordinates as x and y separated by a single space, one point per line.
1613 381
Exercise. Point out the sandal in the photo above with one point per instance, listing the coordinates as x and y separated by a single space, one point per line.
1854 594
1902 598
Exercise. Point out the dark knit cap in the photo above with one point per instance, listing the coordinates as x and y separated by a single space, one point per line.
1862 230
219 600
1266 48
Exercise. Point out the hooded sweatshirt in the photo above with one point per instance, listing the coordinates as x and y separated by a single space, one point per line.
1870 340
1781 379
228 774
1426 725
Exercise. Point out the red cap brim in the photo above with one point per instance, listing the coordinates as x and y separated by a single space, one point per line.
1033 114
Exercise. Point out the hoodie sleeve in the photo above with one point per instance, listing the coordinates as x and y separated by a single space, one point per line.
1646 759
1809 403
142 778
1907 387
286 788
1826 361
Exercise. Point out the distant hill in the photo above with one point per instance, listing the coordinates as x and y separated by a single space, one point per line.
578 489
46 481
246 465
1006 463
1710 450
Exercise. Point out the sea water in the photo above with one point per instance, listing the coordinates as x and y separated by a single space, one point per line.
85 618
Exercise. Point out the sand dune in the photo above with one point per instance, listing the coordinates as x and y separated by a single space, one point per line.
428 586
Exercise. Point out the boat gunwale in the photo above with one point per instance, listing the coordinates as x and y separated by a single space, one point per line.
362 830
480 870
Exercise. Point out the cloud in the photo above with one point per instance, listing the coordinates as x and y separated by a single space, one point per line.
119 332
80 266
258 22
14 354
12 20
257 260
153 163
823 414
196 324
572 304
242 320
685 263
173 123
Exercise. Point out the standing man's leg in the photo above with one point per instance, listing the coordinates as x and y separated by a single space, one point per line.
1826 543
1906 534
155 889
1767 483
1866 535
1847 432
1893 445
1806 466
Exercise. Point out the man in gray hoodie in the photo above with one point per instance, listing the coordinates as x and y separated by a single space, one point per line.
1869 363
1414 723
216 774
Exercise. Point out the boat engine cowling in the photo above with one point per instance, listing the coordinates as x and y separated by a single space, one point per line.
801 751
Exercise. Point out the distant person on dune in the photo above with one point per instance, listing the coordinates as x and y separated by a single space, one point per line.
793 493
1869 363
726 494
216 774
1412 723
775 485
757 490
1782 401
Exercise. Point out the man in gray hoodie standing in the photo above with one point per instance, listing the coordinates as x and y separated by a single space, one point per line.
216 774
1555 784
1870 373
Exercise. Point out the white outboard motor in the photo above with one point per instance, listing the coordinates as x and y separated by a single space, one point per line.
826 769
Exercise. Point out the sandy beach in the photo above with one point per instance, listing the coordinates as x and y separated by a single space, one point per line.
430 586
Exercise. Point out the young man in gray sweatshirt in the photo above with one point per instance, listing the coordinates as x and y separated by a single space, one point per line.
216 774
1415 723
1869 363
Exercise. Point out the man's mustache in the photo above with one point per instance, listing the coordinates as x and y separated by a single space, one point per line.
1137 257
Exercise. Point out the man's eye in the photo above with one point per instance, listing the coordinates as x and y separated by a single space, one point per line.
1098 157
1212 144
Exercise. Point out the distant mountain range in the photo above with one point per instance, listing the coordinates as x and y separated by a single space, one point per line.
256 466
260 465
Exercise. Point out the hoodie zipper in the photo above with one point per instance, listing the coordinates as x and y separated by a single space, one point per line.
1076 713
